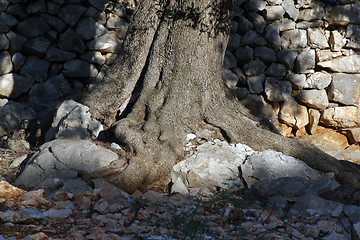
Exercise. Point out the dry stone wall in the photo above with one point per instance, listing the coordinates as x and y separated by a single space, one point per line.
297 62
50 48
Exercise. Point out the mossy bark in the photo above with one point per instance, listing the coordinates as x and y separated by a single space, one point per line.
170 68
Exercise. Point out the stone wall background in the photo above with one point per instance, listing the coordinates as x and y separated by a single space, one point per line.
296 62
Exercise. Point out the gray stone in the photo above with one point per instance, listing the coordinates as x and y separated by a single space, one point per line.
297 80
4 42
12 114
25 215
36 7
99 4
230 60
285 24
276 90
259 107
35 68
3 5
6 65
107 43
316 12
314 98
265 54
71 41
352 212
319 205
32 27
55 23
71 13
343 14
18 60
353 135
17 41
58 55
349 64
244 25
258 22
58 213
345 88
274 13
212 165
53 8
293 114
73 120
17 10
353 34
339 117
272 35
118 24
305 61
254 68
244 55
315 24
241 93
100 17
8 20
317 39
13 85
294 39
287 58
45 95
254 5
256 83
230 78
270 164
314 118
252 38
240 74
88 28
79 69
276 70
324 55
93 57
62 157
234 42
318 80
336 41
290 9
36 46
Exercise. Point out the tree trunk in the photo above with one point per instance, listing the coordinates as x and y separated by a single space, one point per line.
167 83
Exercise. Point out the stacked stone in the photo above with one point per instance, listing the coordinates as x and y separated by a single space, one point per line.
50 48
298 64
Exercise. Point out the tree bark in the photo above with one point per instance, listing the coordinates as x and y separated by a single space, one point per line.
168 80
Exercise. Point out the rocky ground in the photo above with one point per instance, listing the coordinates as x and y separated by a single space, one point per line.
287 208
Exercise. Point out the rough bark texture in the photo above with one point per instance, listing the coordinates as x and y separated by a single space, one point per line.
171 68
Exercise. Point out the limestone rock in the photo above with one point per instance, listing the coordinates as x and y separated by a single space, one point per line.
12 114
71 41
258 21
13 85
272 35
336 41
18 60
71 13
314 118
297 80
107 43
270 164
256 83
252 38
32 27
353 134
93 57
324 55
317 39
118 24
290 9
4 42
229 60
305 62
314 98
54 22
234 42
88 29
35 68
244 25
255 5
318 80
287 58
16 40
58 55
343 14
79 69
230 78
6 65
315 12
276 90
36 46
212 165
345 88
339 117
73 120
265 54
276 70
348 64
63 158
293 114
260 108
254 68
244 55
294 39
274 12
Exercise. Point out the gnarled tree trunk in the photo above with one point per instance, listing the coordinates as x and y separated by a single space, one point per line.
170 72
